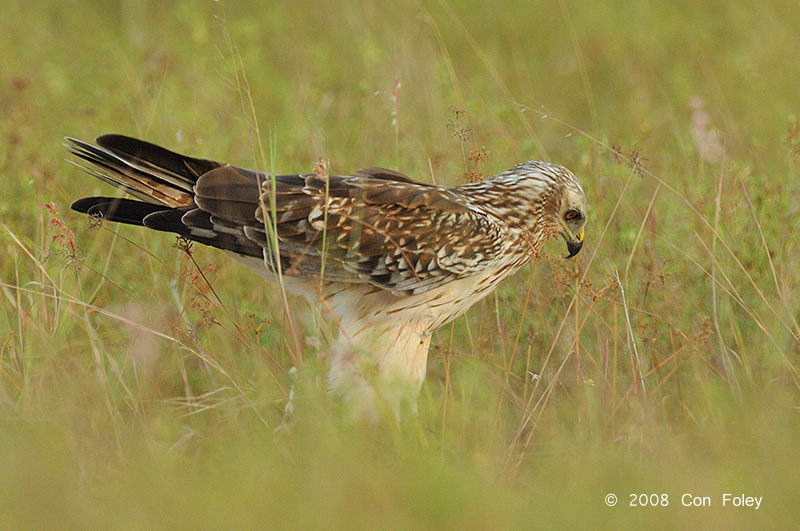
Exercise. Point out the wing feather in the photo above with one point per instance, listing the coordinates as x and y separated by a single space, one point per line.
377 226
405 237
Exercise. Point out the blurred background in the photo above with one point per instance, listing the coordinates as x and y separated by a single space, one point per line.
141 387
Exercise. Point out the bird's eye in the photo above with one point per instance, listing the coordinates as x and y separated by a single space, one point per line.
571 214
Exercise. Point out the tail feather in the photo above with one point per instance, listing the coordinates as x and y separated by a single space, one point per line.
152 156
145 171
163 183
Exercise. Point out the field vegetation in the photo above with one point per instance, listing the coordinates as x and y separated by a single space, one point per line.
147 385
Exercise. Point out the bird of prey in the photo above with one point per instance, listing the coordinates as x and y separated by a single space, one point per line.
391 258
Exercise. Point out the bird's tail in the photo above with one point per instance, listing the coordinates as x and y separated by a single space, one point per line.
165 185
157 176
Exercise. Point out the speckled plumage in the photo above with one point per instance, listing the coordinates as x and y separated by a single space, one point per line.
393 259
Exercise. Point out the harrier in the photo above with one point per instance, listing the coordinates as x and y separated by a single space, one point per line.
392 259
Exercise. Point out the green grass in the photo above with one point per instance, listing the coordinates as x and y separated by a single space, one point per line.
664 360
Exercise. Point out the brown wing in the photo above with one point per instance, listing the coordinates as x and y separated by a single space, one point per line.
377 226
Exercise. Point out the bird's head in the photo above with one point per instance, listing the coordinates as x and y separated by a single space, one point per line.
542 199
559 202
572 215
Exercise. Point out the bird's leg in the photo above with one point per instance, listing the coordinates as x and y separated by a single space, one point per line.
379 370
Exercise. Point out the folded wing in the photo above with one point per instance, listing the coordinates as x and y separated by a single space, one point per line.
376 226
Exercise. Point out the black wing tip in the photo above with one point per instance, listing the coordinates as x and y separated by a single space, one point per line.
120 145
102 140
124 143
117 209
84 204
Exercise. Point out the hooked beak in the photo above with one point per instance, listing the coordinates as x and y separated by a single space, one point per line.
574 243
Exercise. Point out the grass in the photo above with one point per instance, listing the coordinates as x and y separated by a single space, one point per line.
140 387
